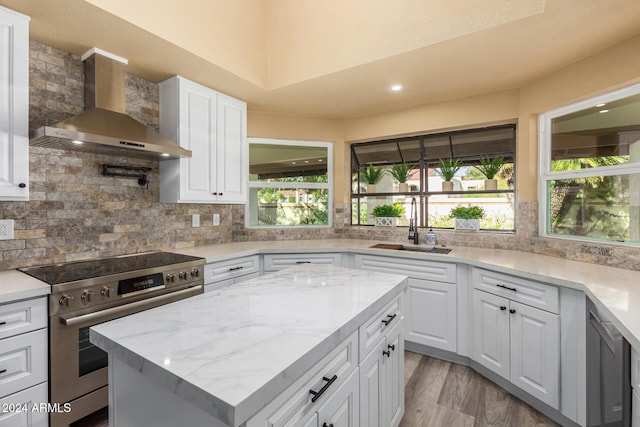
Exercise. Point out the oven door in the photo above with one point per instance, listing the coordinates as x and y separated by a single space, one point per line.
77 367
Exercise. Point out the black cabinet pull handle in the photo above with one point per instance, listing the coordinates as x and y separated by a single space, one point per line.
3 371
303 262
317 394
236 268
503 308
22 185
220 194
388 319
386 353
327 425
392 347
507 287
3 323
512 311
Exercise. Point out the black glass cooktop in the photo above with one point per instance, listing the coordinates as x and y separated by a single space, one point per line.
56 274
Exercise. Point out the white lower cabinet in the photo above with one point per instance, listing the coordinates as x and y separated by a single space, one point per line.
276 262
25 408
224 273
431 302
518 342
433 319
341 408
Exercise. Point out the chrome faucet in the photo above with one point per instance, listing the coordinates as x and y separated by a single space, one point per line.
413 222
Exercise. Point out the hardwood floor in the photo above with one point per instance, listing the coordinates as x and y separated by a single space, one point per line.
442 394
439 393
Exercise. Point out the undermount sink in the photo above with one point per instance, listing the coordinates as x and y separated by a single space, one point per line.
397 247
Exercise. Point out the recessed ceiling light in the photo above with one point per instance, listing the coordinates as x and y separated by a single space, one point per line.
319 160
601 105
396 88
165 154
78 142
603 111
306 161
293 163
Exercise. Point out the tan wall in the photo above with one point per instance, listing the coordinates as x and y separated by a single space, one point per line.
615 67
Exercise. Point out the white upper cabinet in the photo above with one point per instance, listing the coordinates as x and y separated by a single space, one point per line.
14 106
214 127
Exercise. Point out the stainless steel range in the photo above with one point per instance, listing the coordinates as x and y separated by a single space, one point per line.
86 293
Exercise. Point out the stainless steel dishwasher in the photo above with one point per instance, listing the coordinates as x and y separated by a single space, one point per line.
608 372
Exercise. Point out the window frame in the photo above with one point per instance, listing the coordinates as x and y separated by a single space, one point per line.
293 185
545 174
424 193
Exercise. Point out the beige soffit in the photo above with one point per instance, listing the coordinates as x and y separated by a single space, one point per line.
337 58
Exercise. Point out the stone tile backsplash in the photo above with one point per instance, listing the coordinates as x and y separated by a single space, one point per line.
76 213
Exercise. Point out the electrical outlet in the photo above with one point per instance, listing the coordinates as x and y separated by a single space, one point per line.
195 220
6 229
216 219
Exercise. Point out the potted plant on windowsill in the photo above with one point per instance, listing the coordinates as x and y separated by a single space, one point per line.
467 217
387 215
371 175
401 174
489 167
447 170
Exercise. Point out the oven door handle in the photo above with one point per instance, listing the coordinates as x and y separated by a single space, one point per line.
71 321
602 331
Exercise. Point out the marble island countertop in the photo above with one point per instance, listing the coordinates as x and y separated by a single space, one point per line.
231 351
615 290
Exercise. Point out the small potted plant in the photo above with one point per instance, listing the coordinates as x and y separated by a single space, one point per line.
371 175
387 215
467 217
447 170
401 174
489 167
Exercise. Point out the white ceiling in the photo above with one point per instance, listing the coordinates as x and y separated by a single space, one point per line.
499 55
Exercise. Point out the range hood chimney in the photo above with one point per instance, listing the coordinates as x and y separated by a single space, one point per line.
104 127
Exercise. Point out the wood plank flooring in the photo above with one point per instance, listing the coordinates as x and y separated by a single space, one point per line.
442 394
439 393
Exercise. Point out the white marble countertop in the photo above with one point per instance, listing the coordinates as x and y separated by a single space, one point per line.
15 286
232 351
614 290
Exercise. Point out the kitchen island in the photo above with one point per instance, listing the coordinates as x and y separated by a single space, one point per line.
222 357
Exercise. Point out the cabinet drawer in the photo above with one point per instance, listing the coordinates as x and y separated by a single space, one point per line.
17 409
293 406
429 270
525 291
275 262
22 316
23 361
223 270
376 327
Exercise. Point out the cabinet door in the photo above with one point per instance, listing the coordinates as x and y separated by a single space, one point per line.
371 385
18 408
341 409
232 150
14 106
432 314
393 392
535 352
491 332
197 133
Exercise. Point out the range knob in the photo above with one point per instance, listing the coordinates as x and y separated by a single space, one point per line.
171 278
87 296
66 300
195 273
183 275
106 292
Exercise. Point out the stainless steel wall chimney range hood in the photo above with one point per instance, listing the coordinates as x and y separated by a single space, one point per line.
104 127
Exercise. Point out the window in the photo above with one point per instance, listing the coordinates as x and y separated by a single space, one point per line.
424 182
289 183
590 169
